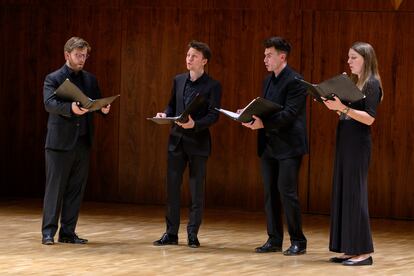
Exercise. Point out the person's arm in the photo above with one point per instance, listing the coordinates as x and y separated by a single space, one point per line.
372 99
358 115
294 104
214 101
52 102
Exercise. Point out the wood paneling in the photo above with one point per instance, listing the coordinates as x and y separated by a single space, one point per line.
139 46
395 159
358 5
233 177
22 109
334 34
153 52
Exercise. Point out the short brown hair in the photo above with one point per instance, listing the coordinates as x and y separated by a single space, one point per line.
202 47
76 43
279 43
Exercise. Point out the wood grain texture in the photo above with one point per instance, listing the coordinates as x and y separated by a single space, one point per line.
121 235
139 46
357 5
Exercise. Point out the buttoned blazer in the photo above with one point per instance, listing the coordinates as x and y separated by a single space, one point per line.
284 134
63 125
196 141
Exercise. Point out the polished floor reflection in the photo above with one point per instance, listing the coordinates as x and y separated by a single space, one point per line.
121 239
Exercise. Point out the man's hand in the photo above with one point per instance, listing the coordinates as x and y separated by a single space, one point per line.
257 123
76 109
189 124
105 109
160 115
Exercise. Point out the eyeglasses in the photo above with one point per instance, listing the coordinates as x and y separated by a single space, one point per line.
82 56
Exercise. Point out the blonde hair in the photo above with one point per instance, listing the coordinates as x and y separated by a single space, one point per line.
75 43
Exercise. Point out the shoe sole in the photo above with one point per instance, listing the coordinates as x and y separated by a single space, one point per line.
163 244
268 251
294 254
48 243
66 241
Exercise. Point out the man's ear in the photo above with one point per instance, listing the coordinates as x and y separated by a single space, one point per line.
66 54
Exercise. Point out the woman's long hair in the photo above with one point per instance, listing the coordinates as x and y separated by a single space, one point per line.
370 67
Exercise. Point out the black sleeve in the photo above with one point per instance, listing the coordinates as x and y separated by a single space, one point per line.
214 99
373 94
52 103
295 103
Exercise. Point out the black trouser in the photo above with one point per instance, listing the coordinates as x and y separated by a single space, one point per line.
280 179
177 161
66 177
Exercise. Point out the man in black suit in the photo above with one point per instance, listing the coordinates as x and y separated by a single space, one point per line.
281 143
68 141
189 142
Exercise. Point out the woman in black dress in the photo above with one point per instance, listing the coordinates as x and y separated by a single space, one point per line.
350 228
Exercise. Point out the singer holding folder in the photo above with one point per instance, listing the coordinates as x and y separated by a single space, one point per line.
281 143
350 227
189 142
68 141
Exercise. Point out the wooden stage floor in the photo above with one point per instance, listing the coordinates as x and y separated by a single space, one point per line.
121 235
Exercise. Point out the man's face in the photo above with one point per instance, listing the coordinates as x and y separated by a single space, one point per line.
195 60
76 59
274 59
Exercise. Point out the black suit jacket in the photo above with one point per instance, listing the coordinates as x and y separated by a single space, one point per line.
196 141
284 134
63 125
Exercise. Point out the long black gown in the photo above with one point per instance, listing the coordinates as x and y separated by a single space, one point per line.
350 227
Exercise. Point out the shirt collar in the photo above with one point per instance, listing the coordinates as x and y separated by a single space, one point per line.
71 72
276 78
197 81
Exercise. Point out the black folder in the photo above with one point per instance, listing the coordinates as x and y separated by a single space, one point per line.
260 107
69 92
341 86
192 108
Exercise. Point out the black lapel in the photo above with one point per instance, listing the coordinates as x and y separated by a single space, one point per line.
266 87
180 93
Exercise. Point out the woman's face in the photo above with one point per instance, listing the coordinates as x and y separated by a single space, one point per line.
355 62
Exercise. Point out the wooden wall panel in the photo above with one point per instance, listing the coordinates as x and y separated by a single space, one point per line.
178 4
334 33
22 139
51 5
38 37
398 136
234 177
139 46
104 62
358 5
154 50
105 38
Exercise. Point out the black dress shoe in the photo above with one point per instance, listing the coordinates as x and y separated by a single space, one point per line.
166 239
269 246
193 241
48 240
338 260
294 250
367 261
72 239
